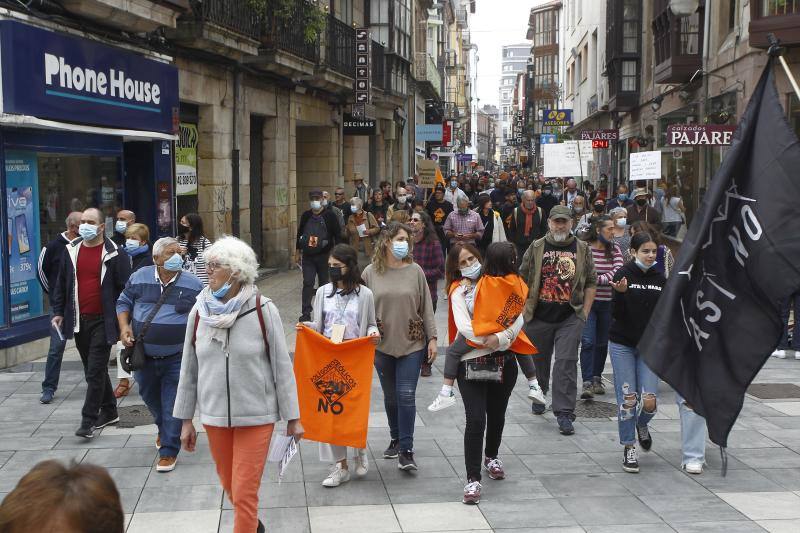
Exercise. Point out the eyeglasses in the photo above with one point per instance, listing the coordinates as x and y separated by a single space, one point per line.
416 219
338 194
215 265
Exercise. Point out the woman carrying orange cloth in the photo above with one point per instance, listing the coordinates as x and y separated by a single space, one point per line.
481 288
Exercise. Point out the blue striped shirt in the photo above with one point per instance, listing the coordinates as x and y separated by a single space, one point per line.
168 328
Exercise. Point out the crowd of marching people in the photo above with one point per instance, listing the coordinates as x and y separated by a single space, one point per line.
540 276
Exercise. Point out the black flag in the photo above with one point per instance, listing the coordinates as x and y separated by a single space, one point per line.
718 317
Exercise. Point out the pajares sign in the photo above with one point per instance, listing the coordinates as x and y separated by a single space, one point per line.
53 76
600 135
699 134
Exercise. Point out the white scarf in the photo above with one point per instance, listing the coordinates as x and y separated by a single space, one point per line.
220 315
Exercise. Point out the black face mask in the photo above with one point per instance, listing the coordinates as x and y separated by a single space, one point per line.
641 202
335 273
183 228
598 209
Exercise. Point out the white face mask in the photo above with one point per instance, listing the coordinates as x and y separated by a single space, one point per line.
402 199
622 222
315 205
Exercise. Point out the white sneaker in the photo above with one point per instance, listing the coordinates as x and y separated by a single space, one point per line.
780 354
797 355
337 476
536 395
362 463
693 467
442 402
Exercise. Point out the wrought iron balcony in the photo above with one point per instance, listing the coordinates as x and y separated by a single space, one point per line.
425 71
229 28
340 47
285 34
235 15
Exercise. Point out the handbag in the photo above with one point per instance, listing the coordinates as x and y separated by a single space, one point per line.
485 369
133 357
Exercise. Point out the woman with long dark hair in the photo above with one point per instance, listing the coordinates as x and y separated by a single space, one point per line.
427 254
637 287
344 302
408 334
665 261
193 240
378 207
486 368
493 230
594 342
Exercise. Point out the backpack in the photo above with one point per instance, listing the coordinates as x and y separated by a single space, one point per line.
315 237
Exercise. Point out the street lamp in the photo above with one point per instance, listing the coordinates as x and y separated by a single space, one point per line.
683 8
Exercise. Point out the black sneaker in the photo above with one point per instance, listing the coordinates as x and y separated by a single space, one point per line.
392 451
406 461
630 462
261 528
565 425
86 431
645 440
538 409
106 419
304 318
588 391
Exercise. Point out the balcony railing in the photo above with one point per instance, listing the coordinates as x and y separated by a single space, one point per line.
425 70
235 15
286 34
378 66
340 47
776 8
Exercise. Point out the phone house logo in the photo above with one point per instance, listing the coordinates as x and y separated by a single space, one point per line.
87 84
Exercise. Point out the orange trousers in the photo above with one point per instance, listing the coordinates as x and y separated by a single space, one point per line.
240 454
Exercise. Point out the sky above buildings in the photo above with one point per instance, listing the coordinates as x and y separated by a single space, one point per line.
494 24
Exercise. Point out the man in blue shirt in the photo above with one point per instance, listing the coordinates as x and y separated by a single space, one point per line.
163 341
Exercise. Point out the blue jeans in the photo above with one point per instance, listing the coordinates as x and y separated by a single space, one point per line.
693 433
634 383
399 377
158 385
792 301
594 341
55 354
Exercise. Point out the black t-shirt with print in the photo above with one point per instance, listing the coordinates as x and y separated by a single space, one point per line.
558 279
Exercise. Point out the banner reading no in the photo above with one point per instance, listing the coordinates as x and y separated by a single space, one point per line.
334 383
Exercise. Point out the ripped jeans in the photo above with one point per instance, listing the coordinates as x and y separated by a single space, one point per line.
636 386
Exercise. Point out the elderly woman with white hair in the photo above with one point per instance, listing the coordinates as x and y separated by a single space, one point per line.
154 309
622 234
361 227
237 372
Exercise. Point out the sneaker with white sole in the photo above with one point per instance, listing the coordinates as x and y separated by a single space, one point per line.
797 355
166 464
442 402
472 493
630 460
780 354
494 467
362 463
693 467
536 395
337 476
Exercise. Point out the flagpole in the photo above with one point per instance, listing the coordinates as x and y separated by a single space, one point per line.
776 51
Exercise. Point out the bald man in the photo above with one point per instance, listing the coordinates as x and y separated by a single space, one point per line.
92 276
49 265
124 220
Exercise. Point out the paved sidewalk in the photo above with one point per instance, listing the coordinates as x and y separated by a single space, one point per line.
554 483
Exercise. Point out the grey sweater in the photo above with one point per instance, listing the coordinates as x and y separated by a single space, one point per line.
248 387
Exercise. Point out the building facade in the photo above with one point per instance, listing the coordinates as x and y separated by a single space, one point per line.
513 62
255 108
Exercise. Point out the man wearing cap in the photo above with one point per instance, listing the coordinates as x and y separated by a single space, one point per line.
559 271
360 188
317 232
641 211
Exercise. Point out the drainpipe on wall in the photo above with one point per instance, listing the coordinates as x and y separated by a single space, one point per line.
235 219
704 102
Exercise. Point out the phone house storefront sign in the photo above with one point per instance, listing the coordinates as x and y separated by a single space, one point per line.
699 134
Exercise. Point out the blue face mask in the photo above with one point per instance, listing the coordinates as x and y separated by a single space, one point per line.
87 231
473 271
622 197
400 249
174 263
120 226
222 291
641 265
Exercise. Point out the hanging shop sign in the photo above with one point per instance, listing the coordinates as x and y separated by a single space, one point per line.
557 117
22 198
463 158
362 85
700 134
53 76
355 126
548 138
447 132
428 132
600 135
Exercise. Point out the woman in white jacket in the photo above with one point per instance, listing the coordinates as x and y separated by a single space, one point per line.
344 309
